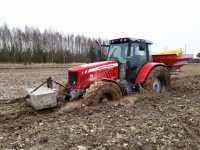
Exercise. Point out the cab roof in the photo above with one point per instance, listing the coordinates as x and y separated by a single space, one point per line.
127 39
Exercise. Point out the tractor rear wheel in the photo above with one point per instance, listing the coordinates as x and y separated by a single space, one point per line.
158 80
100 91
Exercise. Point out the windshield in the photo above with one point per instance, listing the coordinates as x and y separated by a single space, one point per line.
118 51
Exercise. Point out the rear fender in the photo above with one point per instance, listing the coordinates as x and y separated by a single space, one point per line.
145 70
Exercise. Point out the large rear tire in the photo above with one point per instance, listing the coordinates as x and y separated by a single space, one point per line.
101 90
158 80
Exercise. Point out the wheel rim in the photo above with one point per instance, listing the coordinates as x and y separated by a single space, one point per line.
157 86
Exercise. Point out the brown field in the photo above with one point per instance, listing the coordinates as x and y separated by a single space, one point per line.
138 122
190 70
14 78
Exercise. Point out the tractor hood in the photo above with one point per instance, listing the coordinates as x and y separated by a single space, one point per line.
82 76
93 67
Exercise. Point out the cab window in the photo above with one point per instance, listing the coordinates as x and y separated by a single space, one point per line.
118 51
135 50
139 56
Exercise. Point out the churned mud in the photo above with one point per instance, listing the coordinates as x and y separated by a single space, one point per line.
139 122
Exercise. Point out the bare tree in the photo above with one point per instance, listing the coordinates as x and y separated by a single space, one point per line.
31 45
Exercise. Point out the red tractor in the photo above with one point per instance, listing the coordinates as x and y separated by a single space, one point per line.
128 68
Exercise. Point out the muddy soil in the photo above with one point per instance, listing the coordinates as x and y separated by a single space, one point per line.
139 122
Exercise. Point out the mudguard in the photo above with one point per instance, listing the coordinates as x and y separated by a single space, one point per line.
145 70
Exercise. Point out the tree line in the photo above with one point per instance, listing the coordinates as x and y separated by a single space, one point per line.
30 45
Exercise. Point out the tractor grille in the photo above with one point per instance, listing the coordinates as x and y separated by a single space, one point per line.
72 77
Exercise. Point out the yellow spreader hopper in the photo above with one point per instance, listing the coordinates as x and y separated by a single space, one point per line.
177 51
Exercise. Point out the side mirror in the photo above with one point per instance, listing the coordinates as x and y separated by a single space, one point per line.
142 46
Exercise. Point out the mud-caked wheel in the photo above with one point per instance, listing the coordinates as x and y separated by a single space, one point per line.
158 80
100 91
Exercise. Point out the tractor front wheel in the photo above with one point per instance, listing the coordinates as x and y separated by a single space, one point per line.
100 91
158 80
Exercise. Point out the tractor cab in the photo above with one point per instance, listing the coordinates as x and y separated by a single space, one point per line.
131 54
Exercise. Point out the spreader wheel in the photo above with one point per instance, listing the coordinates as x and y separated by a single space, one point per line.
100 91
158 80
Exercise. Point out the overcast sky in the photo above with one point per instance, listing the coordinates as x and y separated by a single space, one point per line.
168 23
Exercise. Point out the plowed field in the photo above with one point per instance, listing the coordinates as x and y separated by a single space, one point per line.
139 122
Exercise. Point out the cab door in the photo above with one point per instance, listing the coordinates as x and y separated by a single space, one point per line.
137 56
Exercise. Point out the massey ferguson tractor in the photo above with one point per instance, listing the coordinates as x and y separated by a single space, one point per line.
128 68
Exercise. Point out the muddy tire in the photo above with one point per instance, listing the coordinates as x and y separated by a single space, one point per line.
101 90
158 80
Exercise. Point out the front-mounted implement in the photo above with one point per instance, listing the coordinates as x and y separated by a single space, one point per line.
43 96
